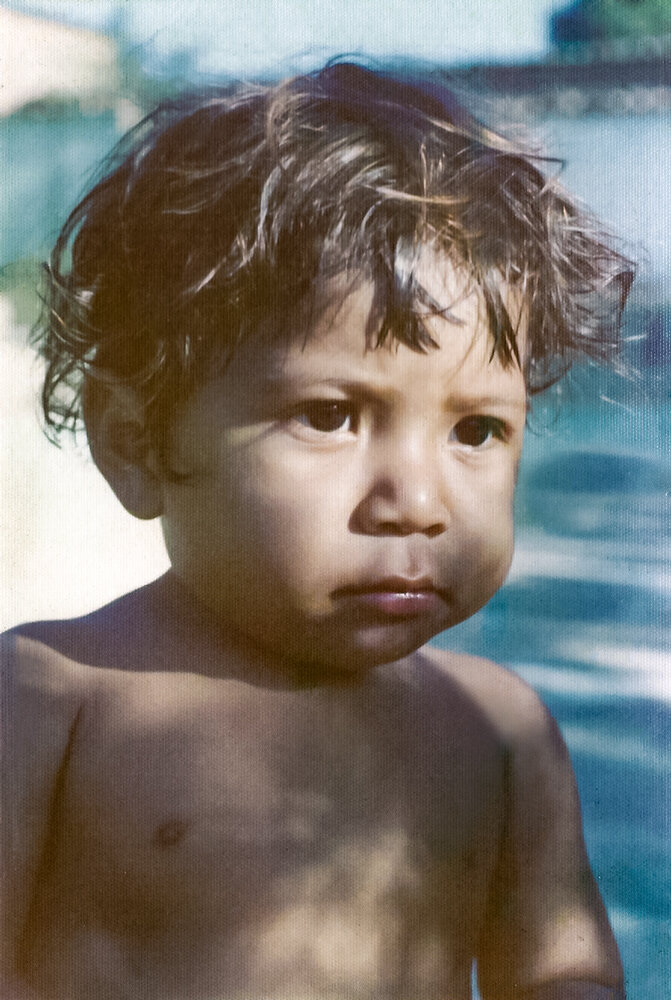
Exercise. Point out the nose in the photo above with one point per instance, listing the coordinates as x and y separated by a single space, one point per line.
405 495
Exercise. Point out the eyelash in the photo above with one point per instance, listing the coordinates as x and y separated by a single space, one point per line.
329 416
330 413
493 428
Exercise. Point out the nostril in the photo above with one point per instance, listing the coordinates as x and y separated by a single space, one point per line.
392 528
401 528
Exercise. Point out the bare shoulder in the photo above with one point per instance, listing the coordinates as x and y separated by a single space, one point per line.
45 678
113 636
41 692
36 669
543 872
511 706
51 670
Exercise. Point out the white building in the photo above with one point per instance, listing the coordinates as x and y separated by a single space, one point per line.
44 60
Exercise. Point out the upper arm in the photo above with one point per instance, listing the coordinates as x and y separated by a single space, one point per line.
546 922
39 701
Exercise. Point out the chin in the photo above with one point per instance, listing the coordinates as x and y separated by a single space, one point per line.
373 647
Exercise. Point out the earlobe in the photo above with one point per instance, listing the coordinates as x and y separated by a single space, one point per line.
121 449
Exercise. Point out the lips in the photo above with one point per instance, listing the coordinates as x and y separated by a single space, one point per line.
397 596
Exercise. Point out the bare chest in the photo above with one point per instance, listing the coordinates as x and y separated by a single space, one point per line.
299 855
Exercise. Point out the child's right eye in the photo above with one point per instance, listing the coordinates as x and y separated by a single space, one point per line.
327 416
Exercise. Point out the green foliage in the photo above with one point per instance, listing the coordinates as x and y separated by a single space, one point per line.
631 18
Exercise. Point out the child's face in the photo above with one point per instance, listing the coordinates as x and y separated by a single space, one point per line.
344 505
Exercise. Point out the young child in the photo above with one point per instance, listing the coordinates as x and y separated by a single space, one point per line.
301 325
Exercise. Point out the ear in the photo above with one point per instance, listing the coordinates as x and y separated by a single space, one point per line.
120 446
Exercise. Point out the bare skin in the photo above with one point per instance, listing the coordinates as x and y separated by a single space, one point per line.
207 837
249 780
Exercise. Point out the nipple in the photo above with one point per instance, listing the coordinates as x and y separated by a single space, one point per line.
169 834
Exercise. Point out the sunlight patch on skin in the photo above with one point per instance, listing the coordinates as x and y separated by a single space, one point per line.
331 935
306 815
242 437
574 940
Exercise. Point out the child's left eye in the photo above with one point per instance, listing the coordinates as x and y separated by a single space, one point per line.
476 431
327 416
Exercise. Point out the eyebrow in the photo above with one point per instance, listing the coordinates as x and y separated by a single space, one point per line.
464 403
280 384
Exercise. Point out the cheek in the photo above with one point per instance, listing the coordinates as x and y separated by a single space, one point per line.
483 561
487 521
289 516
486 494
503 544
303 494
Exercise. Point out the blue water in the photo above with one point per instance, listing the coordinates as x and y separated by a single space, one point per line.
586 613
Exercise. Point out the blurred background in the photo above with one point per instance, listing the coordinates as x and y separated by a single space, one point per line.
586 613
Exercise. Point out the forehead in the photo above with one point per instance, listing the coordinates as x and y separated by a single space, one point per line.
330 349
330 345
344 317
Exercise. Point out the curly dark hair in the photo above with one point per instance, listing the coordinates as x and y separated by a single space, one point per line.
222 210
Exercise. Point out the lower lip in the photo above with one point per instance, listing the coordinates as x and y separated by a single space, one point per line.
395 604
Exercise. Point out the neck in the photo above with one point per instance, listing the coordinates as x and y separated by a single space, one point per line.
189 638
